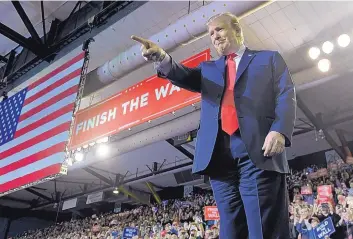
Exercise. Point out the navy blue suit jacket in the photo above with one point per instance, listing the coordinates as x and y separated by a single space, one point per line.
264 98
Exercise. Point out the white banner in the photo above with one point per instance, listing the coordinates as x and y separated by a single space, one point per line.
333 158
94 197
69 204
188 189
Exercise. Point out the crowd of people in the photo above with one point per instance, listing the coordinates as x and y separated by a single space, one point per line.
320 193
315 195
182 218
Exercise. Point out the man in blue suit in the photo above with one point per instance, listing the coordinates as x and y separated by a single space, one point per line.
248 110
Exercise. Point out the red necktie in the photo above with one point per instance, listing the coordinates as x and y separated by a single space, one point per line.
229 118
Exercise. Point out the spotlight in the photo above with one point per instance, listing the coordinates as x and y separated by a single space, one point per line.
324 65
327 47
116 191
79 157
343 40
314 53
102 150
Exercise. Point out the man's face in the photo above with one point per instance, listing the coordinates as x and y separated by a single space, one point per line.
314 223
224 36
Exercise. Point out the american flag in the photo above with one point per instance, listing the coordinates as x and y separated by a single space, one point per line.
35 124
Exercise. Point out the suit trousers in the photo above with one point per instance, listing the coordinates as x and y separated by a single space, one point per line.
252 203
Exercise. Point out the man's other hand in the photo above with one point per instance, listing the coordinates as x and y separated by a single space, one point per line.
150 51
274 144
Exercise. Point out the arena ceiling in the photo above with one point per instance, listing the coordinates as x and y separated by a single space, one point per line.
288 27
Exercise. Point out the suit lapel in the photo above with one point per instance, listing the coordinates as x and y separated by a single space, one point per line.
244 62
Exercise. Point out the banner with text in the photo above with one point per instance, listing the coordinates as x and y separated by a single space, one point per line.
324 229
130 232
151 98
211 213
94 197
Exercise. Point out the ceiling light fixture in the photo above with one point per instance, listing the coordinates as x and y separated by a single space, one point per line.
343 40
102 150
79 157
116 191
324 65
327 47
314 52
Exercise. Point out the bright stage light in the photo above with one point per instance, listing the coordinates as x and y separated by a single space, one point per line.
79 157
327 47
343 40
116 191
103 150
324 65
314 53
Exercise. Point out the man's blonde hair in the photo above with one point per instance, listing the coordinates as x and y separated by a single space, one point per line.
227 15
233 20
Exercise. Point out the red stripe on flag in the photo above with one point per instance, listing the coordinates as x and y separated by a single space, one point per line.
56 71
46 135
53 86
46 119
50 102
57 148
29 178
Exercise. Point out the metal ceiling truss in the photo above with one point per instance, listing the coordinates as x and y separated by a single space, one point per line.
319 125
118 184
60 34
38 194
27 23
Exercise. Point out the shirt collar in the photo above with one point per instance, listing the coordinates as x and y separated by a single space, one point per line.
241 50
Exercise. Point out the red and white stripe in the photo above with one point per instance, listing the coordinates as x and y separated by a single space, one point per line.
37 150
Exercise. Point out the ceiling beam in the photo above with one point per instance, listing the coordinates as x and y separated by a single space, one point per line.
9 64
19 39
38 194
27 22
43 22
99 176
318 124
3 59
16 200
181 149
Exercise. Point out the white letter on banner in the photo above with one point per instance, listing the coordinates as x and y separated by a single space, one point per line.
162 91
112 114
90 123
124 105
174 88
97 120
79 127
103 118
134 104
144 100
84 126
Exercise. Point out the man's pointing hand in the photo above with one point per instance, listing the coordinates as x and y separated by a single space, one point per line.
150 51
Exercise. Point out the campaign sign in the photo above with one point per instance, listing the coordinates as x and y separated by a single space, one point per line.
324 190
130 232
306 190
325 228
211 213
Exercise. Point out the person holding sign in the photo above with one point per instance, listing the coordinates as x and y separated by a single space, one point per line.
248 109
